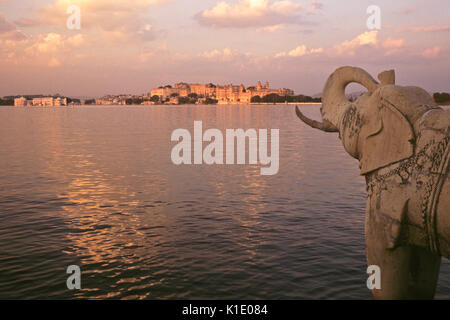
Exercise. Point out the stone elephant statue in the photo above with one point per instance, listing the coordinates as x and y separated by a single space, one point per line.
401 139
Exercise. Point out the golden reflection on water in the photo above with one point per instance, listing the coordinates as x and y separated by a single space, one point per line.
95 186
105 214
107 236
104 206
107 211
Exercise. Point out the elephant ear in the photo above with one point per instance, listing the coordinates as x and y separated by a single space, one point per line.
386 137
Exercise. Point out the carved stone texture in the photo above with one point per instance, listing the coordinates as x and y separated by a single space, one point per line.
401 139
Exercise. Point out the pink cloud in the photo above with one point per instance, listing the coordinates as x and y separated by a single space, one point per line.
369 38
407 10
299 51
315 5
271 29
432 53
424 29
123 19
250 13
391 43
9 30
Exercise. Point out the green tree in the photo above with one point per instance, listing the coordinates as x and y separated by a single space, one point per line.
137 101
441 97
210 101
273 98
256 99
6 102
184 100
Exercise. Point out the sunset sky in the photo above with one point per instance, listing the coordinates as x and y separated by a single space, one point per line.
131 46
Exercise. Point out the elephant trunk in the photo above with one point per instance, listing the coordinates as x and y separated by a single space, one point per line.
323 126
334 101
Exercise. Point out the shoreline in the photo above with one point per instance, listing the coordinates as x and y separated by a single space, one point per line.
178 105
288 104
189 105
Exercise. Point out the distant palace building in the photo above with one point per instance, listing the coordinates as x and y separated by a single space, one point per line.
223 94
40 102
111 100
22 102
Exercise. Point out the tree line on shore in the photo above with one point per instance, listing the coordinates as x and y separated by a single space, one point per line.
193 98
442 97
275 98
6 102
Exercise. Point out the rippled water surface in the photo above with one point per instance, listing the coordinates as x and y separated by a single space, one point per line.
95 187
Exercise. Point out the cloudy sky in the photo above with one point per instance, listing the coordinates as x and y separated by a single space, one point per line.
131 46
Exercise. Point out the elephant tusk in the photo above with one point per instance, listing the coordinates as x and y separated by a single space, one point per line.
323 126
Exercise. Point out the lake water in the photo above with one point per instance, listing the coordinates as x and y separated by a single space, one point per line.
95 187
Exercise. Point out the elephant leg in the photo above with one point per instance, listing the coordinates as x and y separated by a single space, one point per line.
443 218
423 273
407 272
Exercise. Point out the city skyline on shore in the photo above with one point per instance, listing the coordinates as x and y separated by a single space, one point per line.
131 46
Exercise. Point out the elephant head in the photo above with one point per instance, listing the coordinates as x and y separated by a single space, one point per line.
402 141
378 128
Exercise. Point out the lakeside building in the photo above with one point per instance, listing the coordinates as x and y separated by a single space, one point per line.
40 102
224 94
165 93
59 102
112 100
43 102
183 89
22 102
203 90
228 94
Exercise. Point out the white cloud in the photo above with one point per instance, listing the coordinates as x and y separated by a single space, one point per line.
123 19
51 49
354 47
272 29
54 43
224 55
300 51
369 38
250 13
